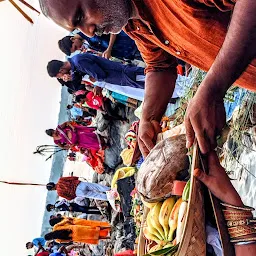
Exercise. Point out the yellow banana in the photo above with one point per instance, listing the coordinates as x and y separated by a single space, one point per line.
165 213
152 237
154 217
173 219
147 204
152 229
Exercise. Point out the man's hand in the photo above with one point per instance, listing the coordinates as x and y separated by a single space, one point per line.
148 131
155 102
205 118
218 181
106 54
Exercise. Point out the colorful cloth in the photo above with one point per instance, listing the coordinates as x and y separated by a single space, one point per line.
119 97
131 135
122 173
127 155
96 159
125 253
140 162
44 253
193 31
57 254
83 231
83 137
39 240
94 101
76 112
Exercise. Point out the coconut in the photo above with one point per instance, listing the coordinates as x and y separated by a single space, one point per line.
166 162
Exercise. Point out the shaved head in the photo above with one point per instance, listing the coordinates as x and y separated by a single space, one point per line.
90 16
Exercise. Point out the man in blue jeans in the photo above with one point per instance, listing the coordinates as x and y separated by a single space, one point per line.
71 188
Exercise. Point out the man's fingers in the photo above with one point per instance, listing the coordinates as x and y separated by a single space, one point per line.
148 142
143 149
190 135
200 175
201 136
202 139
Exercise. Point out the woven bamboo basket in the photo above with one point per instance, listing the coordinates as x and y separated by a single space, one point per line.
193 241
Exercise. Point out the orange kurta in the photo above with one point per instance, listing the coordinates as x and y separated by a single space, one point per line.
191 30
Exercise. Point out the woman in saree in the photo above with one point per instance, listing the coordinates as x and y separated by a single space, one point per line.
70 134
78 230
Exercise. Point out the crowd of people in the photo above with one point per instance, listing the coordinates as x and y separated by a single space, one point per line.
69 235
102 73
91 78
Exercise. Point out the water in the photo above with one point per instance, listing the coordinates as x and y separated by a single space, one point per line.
58 161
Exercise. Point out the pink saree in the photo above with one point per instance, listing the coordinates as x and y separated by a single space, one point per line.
83 137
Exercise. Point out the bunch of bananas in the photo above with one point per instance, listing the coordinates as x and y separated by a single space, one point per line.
162 221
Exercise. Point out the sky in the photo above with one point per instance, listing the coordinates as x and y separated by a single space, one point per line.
29 104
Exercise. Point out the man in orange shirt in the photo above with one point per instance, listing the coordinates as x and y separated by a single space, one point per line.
200 32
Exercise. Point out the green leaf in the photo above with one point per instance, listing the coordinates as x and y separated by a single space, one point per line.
173 251
162 251
165 251
159 252
185 194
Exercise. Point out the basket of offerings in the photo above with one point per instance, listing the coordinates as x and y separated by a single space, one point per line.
174 203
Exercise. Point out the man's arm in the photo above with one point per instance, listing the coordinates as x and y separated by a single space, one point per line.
238 49
204 121
107 53
158 91
161 76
